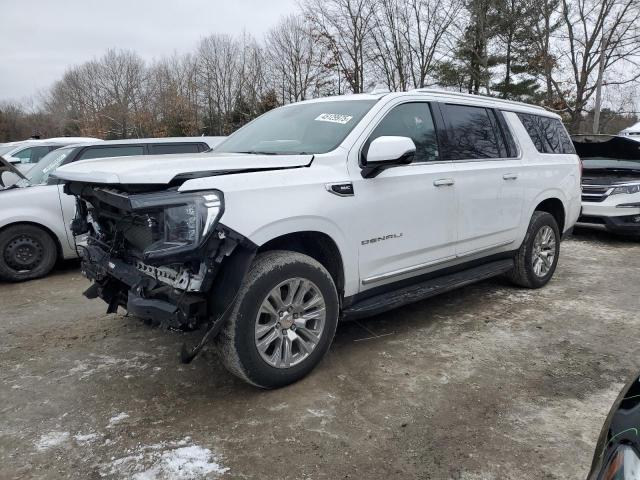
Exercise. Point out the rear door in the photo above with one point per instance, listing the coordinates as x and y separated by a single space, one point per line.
488 170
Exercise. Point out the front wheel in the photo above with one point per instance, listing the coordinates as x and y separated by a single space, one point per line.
283 320
26 252
537 257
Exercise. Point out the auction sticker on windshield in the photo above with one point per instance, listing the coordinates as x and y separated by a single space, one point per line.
334 118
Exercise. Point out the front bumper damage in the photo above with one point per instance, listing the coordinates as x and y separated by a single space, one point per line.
178 290
163 296
120 284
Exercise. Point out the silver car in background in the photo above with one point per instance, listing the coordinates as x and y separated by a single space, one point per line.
25 154
35 213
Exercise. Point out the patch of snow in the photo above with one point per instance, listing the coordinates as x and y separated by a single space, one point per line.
183 463
51 439
87 438
280 406
118 418
95 364
179 460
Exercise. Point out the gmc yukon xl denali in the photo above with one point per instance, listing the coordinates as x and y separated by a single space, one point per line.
328 209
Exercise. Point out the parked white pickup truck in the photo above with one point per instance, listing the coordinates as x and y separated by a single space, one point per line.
325 209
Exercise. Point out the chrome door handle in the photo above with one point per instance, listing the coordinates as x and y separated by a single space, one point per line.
510 176
443 182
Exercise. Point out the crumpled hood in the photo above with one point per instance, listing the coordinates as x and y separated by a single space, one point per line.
162 169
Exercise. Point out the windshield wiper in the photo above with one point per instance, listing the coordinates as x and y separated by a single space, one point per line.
258 152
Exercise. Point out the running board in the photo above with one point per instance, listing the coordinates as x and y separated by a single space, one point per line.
429 288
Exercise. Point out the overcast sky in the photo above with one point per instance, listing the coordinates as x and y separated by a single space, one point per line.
39 39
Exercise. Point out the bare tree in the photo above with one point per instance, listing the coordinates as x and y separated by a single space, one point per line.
106 96
596 31
343 27
430 39
392 55
294 58
545 19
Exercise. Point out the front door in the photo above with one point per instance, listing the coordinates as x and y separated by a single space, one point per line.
408 220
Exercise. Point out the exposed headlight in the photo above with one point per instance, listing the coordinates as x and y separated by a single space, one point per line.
623 464
177 221
628 189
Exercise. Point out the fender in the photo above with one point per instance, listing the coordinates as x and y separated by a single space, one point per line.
312 223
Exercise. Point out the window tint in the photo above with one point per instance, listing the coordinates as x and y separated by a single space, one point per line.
165 148
547 134
472 133
512 149
32 154
411 120
115 151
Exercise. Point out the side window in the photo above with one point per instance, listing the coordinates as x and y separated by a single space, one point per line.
512 149
547 134
167 148
411 120
557 135
32 154
23 155
471 134
115 151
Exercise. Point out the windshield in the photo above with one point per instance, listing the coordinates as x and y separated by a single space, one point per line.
6 149
39 174
307 128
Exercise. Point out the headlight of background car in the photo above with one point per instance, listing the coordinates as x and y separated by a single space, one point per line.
628 189
177 221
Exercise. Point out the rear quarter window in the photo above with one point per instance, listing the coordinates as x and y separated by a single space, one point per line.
168 148
115 151
547 134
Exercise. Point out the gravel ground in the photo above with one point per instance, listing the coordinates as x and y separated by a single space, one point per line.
488 382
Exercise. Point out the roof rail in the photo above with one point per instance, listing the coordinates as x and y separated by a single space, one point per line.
435 91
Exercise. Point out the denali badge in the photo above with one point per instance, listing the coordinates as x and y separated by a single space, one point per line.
380 239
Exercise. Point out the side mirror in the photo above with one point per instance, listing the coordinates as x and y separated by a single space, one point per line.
387 151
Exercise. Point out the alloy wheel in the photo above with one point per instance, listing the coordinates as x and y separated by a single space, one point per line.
290 323
544 251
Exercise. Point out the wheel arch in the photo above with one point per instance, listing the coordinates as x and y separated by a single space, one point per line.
555 207
319 246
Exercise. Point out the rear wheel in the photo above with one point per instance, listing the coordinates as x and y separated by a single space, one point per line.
26 252
537 257
283 320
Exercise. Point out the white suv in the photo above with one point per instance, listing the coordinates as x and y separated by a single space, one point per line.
610 183
331 208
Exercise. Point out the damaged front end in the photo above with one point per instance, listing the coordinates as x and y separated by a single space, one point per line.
160 254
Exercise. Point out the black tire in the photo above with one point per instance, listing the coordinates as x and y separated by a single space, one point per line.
26 252
236 344
523 273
